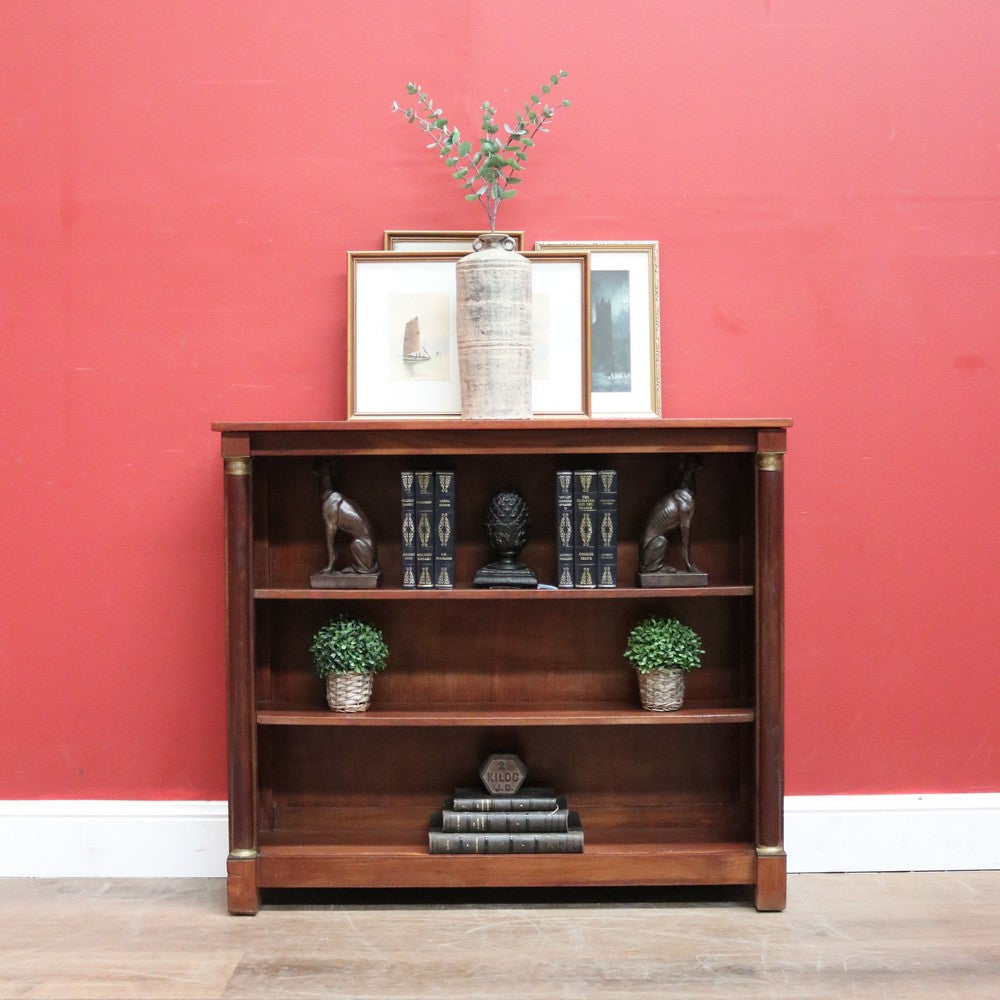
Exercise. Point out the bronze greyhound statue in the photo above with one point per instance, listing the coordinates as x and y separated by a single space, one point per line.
672 512
343 516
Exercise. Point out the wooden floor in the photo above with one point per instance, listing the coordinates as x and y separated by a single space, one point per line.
842 936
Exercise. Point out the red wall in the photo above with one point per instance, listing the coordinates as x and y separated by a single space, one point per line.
180 182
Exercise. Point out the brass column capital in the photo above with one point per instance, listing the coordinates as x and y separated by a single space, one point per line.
238 466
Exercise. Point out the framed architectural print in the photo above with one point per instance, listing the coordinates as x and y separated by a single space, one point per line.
624 326
402 346
410 240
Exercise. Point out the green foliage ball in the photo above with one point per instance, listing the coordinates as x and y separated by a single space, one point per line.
348 646
656 643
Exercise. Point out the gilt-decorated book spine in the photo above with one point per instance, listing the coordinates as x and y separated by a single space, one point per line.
423 515
444 530
564 529
607 528
585 528
409 528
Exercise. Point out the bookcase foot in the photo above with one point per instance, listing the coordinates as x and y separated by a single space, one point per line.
771 879
241 887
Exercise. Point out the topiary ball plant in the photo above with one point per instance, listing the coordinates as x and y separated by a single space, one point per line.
663 650
348 646
662 643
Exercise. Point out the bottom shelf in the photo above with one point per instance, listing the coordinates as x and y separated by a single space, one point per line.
301 864
403 866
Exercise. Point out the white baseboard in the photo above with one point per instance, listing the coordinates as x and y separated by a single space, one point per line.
892 833
826 833
100 839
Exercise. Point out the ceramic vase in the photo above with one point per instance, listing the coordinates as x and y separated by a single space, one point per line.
494 330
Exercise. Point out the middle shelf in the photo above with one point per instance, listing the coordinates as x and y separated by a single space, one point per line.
509 715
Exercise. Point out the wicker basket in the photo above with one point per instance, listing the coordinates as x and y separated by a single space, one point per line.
349 692
662 690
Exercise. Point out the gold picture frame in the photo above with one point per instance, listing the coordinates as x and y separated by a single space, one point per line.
388 377
418 240
625 375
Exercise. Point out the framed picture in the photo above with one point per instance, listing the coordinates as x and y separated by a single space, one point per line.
411 240
402 350
560 309
624 326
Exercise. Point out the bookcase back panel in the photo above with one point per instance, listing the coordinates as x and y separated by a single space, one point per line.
291 542
680 782
502 652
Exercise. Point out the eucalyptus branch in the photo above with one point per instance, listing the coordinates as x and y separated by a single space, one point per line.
488 173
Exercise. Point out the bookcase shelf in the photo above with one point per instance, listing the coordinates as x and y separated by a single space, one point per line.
469 593
322 799
478 716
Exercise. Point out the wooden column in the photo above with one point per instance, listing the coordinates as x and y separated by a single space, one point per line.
771 864
243 894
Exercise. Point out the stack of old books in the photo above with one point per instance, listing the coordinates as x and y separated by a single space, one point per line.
533 821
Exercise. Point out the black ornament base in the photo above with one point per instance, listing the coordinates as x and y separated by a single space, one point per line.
505 574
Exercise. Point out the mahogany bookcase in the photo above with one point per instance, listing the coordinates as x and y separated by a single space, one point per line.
322 799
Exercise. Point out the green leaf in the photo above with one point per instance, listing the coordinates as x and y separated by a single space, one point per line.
472 197
464 148
504 195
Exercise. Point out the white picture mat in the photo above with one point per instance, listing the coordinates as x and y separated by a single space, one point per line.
375 343
560 360
637 399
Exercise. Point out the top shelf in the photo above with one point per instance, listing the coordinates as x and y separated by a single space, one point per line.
455 436
534 425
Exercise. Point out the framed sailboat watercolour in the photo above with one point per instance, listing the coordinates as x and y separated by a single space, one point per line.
402 347
402 354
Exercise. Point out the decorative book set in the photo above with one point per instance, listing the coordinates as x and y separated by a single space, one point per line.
428 525
587 528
